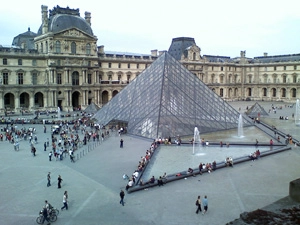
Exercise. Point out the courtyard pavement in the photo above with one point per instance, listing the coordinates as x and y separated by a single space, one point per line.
94 181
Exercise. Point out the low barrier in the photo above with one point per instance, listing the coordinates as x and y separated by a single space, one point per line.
220 165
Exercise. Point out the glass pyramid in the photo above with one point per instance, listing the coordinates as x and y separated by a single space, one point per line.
256 111
166 100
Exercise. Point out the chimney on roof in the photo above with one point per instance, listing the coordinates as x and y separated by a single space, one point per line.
44 19
101 49
154 52
88 18
161 52
265 54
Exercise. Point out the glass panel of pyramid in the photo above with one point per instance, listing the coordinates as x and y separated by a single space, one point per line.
256 111
166 100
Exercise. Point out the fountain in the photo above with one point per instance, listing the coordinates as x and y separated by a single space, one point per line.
58 112
197 139
240 127
297 113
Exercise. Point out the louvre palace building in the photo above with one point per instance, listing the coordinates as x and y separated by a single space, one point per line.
63 66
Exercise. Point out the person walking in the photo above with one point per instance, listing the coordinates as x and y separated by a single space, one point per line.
59 179
45 146
121 143
65 201
49 179
45 216
198 204
50 155
205 204
122 194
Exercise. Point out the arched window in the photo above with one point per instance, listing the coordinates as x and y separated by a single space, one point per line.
73 48
194 56
88 49
265 92
57 47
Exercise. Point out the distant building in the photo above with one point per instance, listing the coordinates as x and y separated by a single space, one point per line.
62 66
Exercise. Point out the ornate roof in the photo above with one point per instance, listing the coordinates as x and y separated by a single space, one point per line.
61 19
25 40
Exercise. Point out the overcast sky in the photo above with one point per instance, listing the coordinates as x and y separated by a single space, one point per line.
219 27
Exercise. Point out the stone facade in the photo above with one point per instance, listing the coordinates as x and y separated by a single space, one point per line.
67 69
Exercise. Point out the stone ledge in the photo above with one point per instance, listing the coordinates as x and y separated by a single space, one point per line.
185 174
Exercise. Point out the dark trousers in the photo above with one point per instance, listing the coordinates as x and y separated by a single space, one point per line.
199 209
65 206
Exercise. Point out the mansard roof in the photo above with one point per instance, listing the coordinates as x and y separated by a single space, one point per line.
25 39
278 58
61 19
179 46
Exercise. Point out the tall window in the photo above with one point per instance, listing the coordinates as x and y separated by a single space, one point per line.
137 66
294 79
128 65
5 78
57 47
128 78
34 78
34 63
20 78
265 92
73 48
75 78
284 79
294 92
42 48
109 65
4 61
89 77
295 67
58 78
20 62
88 49
119 65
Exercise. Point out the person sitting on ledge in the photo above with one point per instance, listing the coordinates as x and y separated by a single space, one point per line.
130 184
257 154
160 181
253 156
151 180
214 165
229 161
190 170
141 182
208 167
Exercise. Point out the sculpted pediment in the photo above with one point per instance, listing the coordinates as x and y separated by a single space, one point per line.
73 33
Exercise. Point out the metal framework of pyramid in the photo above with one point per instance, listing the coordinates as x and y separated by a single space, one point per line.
256 110
166 100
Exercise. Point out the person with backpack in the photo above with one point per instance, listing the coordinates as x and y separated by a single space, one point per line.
198 204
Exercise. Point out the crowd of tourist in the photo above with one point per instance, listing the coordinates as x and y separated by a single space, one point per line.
140 168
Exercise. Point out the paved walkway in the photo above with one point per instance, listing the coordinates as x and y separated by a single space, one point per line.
95 180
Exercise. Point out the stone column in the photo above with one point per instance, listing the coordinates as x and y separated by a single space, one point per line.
1 100
31 100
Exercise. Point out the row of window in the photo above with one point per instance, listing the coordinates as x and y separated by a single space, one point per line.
129 65
251 68
58 46
273 92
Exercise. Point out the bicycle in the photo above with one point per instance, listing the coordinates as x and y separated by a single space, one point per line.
52 216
